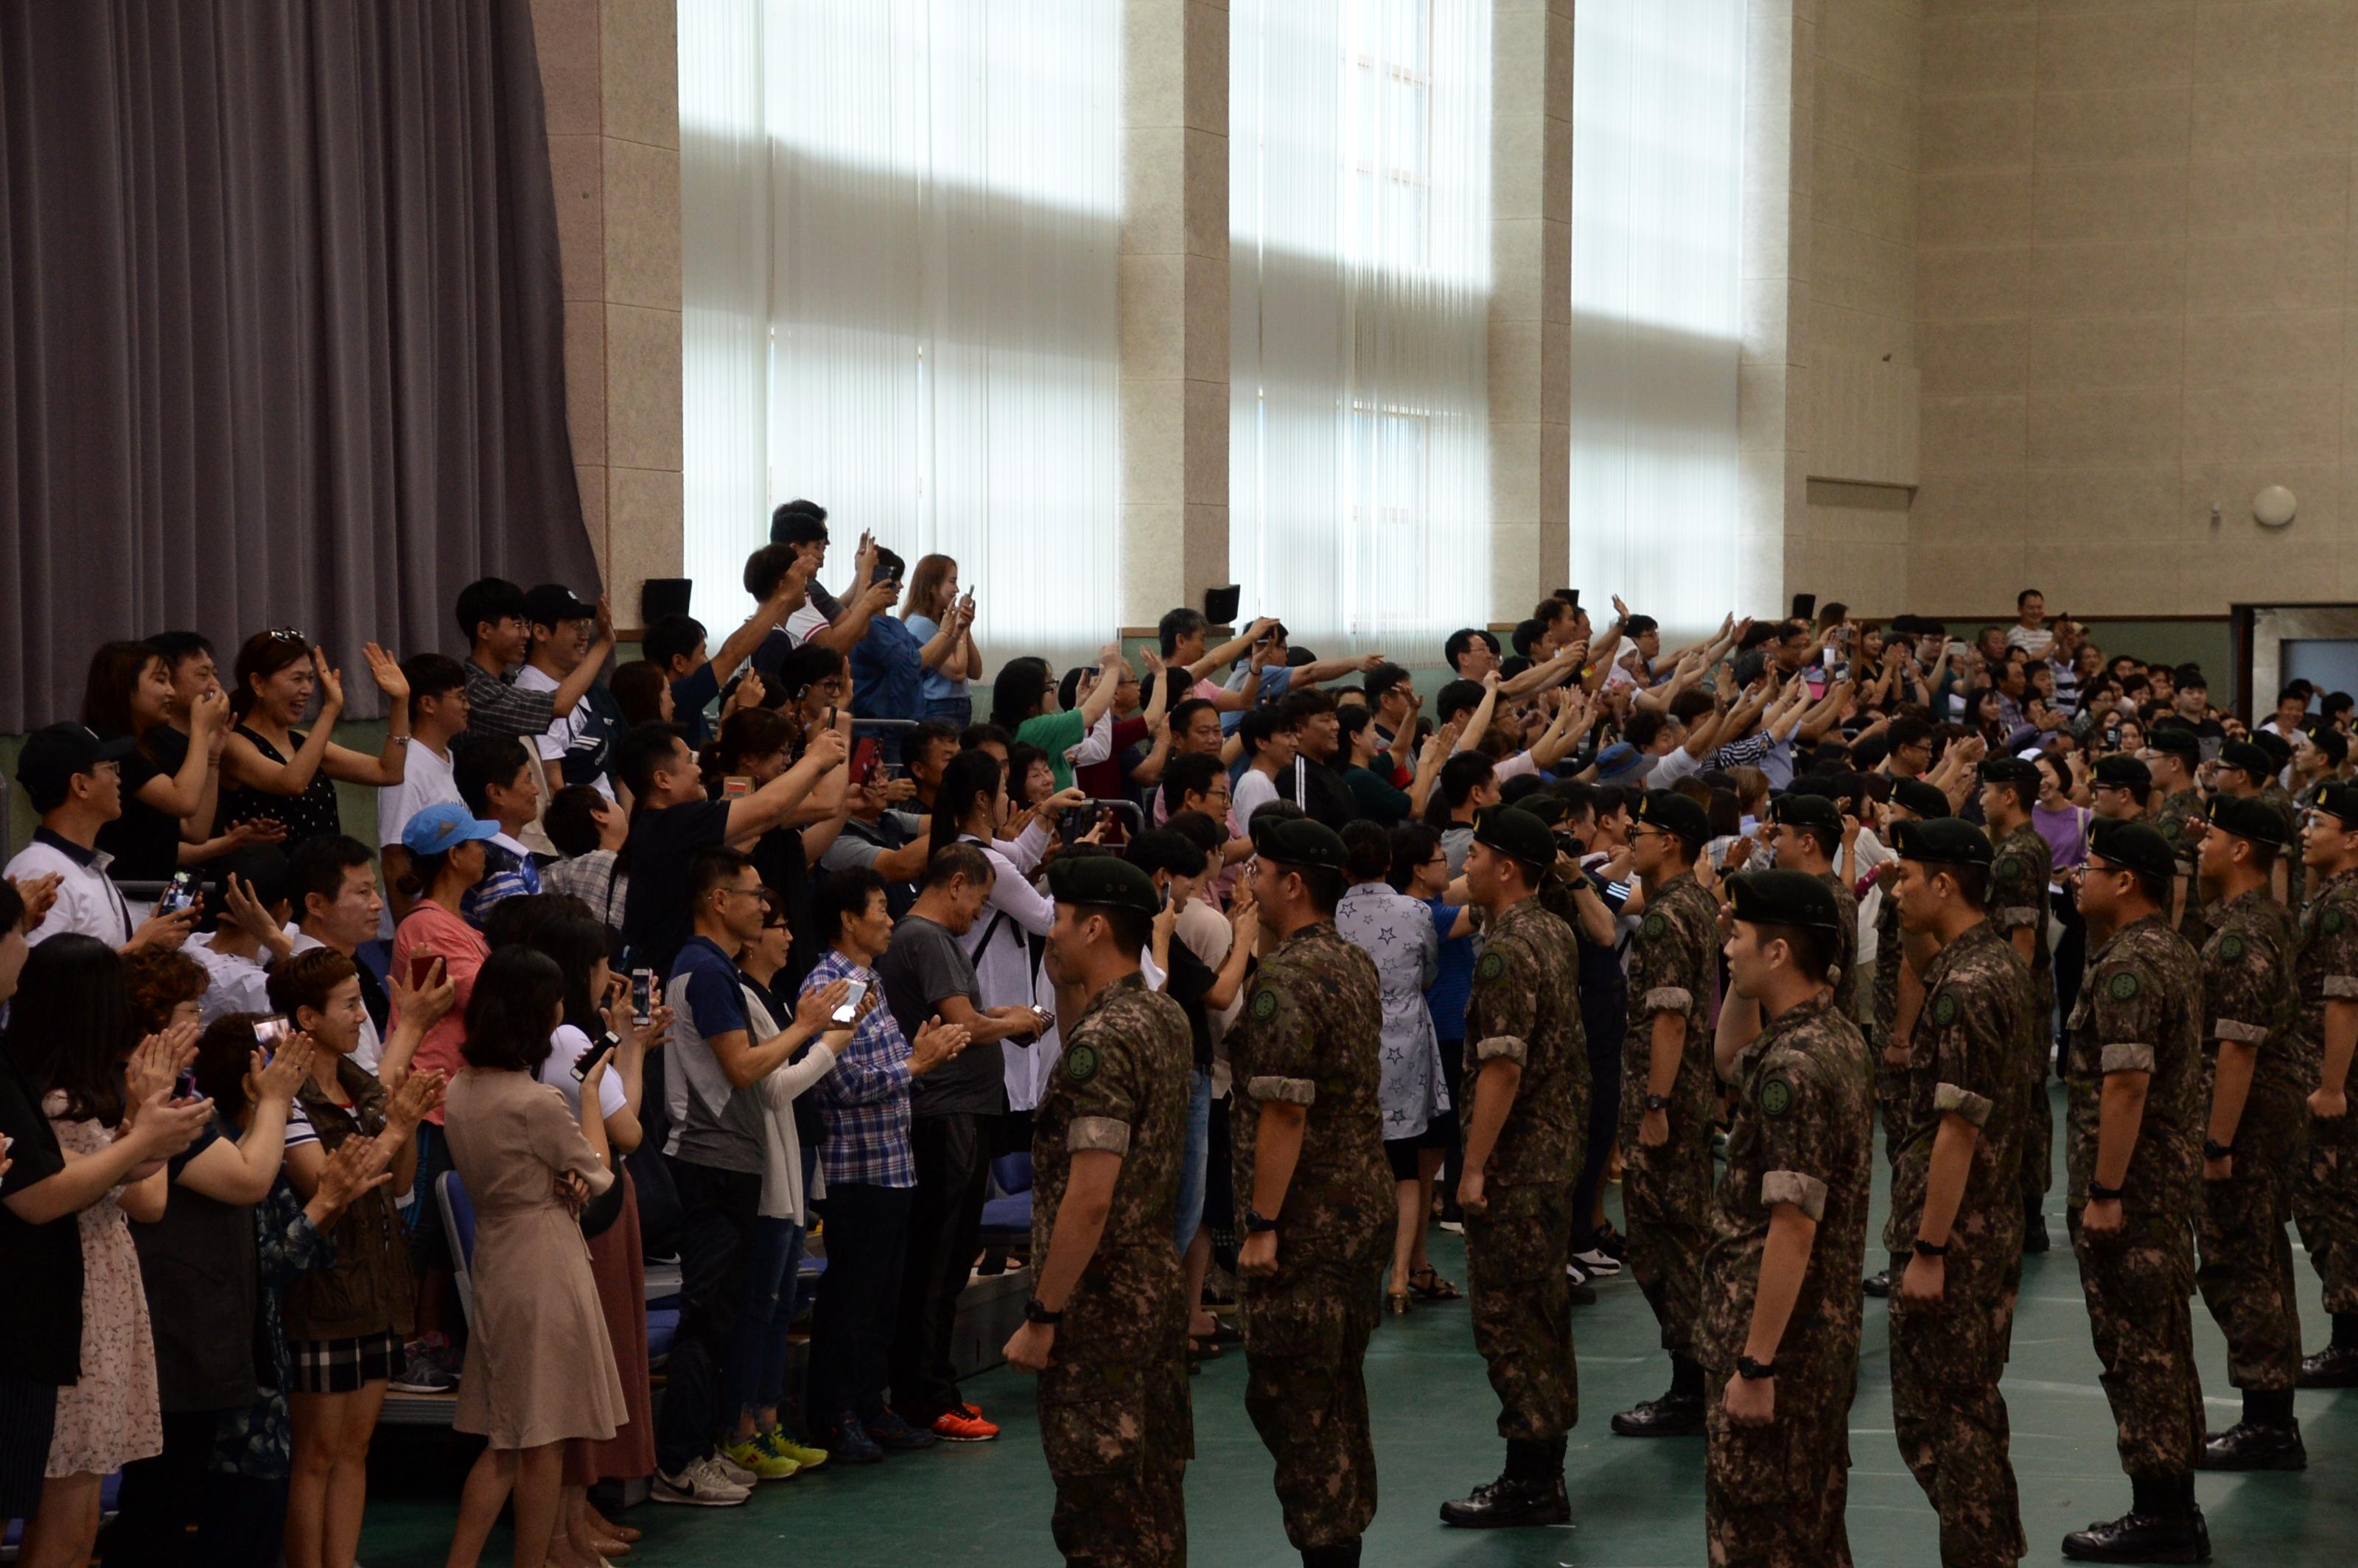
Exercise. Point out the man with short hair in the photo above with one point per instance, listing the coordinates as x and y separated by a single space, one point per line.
1470 652
2118 788
497 783
578 744
2172 754
495 621
438 714
2019 868
73 782
1897 996
332 884
2326 1200
2191 702
2292 712
1313 783
2247 772
1182 634
2029 630
1911 755
1270 749
1805 834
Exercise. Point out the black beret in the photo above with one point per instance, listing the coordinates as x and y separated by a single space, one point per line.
1298 841
1517 834
2010 770
2251 759
2247 816
2176 740
1784 898
1106 879
1795 810
2279 748
2122 771
1941 841
1675 813
1925 800
2340 800
1550 809
1820 784
2132 847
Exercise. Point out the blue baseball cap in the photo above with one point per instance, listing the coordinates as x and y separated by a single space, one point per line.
443 824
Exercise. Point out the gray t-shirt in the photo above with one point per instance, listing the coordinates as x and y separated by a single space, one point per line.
924 967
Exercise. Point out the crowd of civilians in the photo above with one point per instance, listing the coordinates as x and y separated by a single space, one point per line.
244 1046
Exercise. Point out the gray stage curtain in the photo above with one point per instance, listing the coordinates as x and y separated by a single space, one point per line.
283 337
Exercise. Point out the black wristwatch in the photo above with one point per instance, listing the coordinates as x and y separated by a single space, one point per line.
1256 1222
2214 1150
1753 1371
1926 1249
1035 1312
1658 1102
2098 1193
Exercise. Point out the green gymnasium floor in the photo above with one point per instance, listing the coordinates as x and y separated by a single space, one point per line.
1635 1502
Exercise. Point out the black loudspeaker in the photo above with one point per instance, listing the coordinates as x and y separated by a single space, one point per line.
1220 604
661 596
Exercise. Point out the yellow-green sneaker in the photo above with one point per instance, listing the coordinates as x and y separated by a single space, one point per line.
766 1464
776 1441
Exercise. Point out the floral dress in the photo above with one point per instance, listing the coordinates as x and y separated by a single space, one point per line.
112 1415
1397 932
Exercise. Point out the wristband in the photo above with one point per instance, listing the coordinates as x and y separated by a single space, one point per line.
2098 1193
2214 1150
1257 1223
1926 1249
1753 1371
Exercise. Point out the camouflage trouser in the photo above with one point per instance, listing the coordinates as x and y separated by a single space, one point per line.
2038 1126
2137 1281
1305 1345
1666 1198
2246 1274
1522 1307
1891 1107
1773 1496
1115 1425
2325 1203
1951 1418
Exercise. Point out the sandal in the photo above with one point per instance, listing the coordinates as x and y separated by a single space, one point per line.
1428 1283
1398 1301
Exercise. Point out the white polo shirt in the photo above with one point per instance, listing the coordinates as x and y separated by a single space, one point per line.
88 899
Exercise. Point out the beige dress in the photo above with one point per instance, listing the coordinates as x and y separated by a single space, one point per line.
539 1366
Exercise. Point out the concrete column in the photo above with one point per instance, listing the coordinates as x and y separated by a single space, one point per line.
1772 372
1175 303
1531 302
610 73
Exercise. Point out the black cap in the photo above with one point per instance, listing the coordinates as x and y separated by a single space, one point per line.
2176 740
2251 759
1517 834
52 757
2121 771
2247 816
2340 800
553 603
2279 748
2132 846
1107 880
1784 898
1796 810
1941 841
1925 800
1300 842
2010 770
1550 809
1675 813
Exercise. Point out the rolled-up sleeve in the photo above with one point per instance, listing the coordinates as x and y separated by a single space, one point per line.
1101 1133
1949 1099
2127 1056
2342 988
1508 1047
1284 1091
1667 998
1805 1192
2242 1033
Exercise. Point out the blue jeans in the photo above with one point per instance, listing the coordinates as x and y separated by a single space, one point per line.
1192 1157
957 712
774 1277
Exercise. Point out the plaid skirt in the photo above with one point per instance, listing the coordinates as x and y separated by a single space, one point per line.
343 1366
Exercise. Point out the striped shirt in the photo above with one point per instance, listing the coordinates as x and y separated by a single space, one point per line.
497 706
866 1098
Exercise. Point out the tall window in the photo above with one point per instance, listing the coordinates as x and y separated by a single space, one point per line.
899 222
1359 255
1657 156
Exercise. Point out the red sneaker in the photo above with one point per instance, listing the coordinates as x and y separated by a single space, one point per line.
964 1424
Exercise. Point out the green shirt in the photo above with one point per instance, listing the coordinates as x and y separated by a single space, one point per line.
1055 733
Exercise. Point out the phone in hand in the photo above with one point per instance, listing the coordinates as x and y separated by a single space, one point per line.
642 996
178 894
597 1053
736 786
864 756
421 971
852 1000
269 1033
1805 607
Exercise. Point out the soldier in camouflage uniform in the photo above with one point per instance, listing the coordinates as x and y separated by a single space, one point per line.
1667 1099
2248 770
1807 834
2326 1200
1527 1127
2134 1196
2172 754
1800 1165
2118 788
1106 1330
2019 870
1305 1056
2281 800
1891 1015
2261 1073
1953 1307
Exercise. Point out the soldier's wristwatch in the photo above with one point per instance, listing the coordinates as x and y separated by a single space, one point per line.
1033 1312
1658 1102
2214 1150
2098 1193
1926 1249
1256 1222
1753 1371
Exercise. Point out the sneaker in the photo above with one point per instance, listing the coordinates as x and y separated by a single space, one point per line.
736 1475
700 1486
1613 1244
780 1441
849 1444
890 1433
751 1455
1597 1262
1575 1273
1454 1226
425 1374
964 1424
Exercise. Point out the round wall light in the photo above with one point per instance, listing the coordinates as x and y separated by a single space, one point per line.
2274 507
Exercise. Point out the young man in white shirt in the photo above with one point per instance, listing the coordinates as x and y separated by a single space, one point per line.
1269 739
2029 630
74 782
439 713
578 746
497 783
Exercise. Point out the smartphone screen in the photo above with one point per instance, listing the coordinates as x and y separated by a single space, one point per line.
592 1056
269 1033
177 894
864 754
421 971
642 996
851 1008
736 785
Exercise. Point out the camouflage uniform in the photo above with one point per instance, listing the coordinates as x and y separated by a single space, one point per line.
1846 977
1311 1036
2170 818
2278 799
1804 1134
1114 1417
1666 1192
2246 1273
2326 1200
1946 1358
1890 1082
1526 1008
2140 1011
2018 898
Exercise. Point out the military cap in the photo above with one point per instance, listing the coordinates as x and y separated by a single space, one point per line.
2279 748
1822 786
1517 834
2176 740
2132 846
2121 771
2252 759
2010 770
1299 841
1795 810
1675 813
2247 817
1941 841
1925 800
1784 898
1550 809
1107 880
2340 800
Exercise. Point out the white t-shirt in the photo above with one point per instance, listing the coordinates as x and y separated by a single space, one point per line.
425 781
2033 643
1254 789
565 1047
561 735
88 901
810 618
238 983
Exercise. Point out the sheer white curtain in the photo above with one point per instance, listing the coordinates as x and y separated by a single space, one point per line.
1657 162
1359 257
905 308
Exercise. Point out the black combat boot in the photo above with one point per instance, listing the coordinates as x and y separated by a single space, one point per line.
1345 1555
2336 1366
2034 1218
2163 1525
1882 1283
1678 1413
1530 1493
2267 1438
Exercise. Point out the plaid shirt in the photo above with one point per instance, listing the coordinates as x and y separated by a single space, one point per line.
497 706
866 1098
